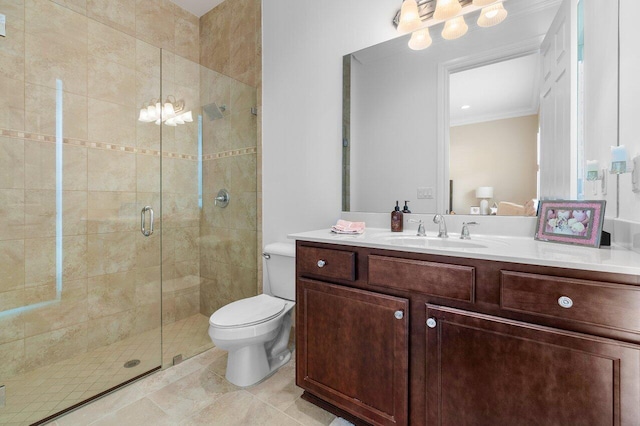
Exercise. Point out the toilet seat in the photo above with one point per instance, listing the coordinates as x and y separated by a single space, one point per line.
247 312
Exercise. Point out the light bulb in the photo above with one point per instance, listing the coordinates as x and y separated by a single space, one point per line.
409 17
420 39
168 111
151 113
446 9
187 116
492 15
454 28
144 117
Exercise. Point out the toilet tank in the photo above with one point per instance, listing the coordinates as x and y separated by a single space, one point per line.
280 261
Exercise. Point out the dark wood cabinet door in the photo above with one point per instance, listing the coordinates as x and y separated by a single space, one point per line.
352 350
485 370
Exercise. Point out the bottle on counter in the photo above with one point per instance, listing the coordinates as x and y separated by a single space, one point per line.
405 209
396 219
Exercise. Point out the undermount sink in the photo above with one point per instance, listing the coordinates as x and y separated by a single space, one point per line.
441 243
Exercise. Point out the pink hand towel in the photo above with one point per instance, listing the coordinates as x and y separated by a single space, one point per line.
346 227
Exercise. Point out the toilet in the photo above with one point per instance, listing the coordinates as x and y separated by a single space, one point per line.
256 330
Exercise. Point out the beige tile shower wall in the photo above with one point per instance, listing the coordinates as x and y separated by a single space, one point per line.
230 37
231 44
228 235
107 54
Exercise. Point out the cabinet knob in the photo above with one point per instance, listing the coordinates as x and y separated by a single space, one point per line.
321 263
565 302
399 314
431 323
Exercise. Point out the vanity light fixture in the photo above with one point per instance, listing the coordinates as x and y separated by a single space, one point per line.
492 15
433 12
454 28
409 17
446 9
420 39
171 113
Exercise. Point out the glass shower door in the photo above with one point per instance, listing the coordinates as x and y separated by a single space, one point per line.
80 280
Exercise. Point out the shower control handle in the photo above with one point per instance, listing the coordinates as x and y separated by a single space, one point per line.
143 220
222 199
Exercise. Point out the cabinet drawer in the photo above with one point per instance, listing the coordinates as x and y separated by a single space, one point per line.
326 263
437 279
605 304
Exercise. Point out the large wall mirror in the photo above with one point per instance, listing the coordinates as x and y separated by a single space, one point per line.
508 113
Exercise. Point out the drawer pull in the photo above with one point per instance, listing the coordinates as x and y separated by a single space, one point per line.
565 302
321 263
431 323
399 314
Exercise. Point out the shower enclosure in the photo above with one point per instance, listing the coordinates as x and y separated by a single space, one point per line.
113 253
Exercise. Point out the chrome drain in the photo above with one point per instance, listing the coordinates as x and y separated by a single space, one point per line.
131 363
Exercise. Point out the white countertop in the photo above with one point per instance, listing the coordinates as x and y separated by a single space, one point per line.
499 248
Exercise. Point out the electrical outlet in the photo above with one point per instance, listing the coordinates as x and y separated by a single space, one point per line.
425 193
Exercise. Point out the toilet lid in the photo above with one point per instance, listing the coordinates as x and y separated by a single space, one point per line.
249 311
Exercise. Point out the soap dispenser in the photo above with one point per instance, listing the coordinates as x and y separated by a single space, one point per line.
405 209
396 219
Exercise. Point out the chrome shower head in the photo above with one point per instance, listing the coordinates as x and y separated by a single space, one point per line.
213 111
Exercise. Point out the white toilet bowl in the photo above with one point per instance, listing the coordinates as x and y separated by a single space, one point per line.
256 330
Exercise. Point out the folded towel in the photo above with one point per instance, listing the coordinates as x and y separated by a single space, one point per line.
346 227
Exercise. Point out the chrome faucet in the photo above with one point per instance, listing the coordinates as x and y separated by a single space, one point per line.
464 234
421 231
442 231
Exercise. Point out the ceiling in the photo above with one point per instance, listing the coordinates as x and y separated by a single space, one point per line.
502 90
197 7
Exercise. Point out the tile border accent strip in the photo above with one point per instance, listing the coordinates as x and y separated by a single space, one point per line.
17 134
231 153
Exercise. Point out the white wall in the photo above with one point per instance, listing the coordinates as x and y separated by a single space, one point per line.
303 45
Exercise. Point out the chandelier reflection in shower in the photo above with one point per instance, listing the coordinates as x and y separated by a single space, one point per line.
416 16
171 112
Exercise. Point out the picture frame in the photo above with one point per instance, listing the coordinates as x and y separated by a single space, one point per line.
570 221
474 210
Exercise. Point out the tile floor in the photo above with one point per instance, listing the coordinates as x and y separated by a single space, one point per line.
195 392
47 390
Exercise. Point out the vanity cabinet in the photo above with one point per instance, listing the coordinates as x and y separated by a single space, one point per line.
486 370
353 350
393 337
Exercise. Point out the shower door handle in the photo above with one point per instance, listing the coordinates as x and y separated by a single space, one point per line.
143 220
